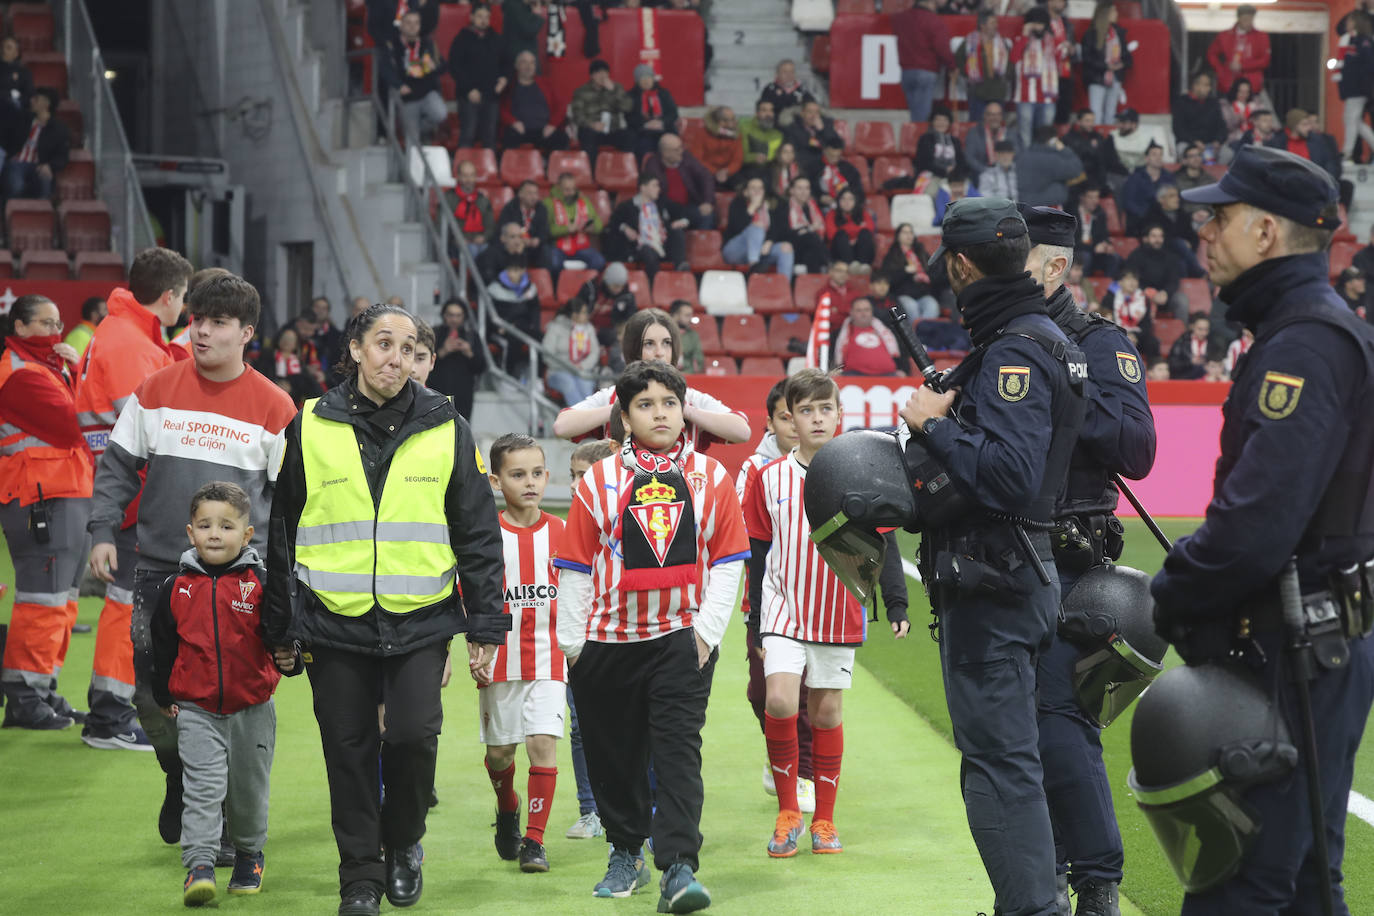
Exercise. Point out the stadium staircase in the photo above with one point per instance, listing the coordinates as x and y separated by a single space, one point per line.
749 39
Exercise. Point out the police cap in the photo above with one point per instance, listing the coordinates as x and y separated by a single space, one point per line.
974 221
1276 181
1049 226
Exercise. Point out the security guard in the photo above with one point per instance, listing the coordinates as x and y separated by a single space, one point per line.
1293 479
1016 413
1118 436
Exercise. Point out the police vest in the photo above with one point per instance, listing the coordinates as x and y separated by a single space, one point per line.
26 461
1089 488
353 552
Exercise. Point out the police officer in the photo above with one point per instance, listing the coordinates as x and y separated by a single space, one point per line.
1118 436
1297 445
991 574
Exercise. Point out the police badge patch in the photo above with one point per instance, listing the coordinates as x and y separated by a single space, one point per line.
1013 382
1278 395
1129 366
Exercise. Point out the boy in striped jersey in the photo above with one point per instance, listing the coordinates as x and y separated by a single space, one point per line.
523 702
808 621
651 561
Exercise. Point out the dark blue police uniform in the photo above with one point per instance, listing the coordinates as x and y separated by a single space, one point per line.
1297 448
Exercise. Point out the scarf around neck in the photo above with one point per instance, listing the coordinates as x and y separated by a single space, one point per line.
989 304
656 524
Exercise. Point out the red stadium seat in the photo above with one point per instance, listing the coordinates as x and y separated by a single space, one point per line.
1342 254
703 250
770 294
1167 330
1343 234
543 281
1198 292
488 173
767 366
882 212
911 133
499 195
32 26
77 180
706 329
928 242
670 285
723 199
820 54
781 330
1116 227
721 366
85 225
842 128
897 6
570 281
744 335
49 68
690 128
6 264
861 163
883 241
519 165
1100 286
855 7
574 161
888 167
960 129
617 171
35 264
639 285
99 267
875 138
29 225
69 113
1125 246
806 289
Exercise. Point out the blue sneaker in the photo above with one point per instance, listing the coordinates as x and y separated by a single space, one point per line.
625 874
681 892
199 888
135 739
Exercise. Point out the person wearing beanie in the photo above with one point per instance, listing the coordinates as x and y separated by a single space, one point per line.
652 111
598 109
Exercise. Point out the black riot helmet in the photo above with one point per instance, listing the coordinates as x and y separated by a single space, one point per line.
1201 736
1110 614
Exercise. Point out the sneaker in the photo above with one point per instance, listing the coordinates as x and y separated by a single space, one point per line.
586 827
247 876
508 832
60 706
1098 898
806 795
135 739
46 719
533 858
1062 907
769 786
361 898
681 892
199 888
824 839
788 827
625 874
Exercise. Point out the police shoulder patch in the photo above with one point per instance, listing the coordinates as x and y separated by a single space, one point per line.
1128 364
1278 394
1013 382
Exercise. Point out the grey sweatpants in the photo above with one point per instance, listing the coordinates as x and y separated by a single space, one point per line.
227 760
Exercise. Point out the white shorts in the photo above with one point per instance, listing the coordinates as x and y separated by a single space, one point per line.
826 667
510 710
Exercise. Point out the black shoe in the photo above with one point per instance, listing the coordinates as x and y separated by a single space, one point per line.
169 818
508 832
360 899
533 858
403 879
81 628
1098 898
433 798
60 706
43 720
226 856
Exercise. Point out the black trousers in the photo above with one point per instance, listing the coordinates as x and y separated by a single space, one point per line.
862 249
637 701
347 688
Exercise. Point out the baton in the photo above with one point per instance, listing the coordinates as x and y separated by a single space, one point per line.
1140 510
1300 654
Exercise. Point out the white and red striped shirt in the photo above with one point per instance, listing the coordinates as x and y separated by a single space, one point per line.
802 598
1037 70
530 652
589 546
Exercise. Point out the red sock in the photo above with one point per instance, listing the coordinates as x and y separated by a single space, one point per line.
828 749
503 784
781 735
542 780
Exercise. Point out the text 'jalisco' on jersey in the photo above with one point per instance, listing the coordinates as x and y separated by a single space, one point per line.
530 652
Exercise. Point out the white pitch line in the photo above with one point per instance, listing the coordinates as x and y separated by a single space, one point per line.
1362 807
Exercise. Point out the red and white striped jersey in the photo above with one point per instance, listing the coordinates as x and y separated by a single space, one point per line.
589 546
530 652
802 598
1037 70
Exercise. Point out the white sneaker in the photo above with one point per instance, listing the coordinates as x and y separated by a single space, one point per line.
806 795
586 827
769 786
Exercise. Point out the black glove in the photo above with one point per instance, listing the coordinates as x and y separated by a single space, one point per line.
1197 639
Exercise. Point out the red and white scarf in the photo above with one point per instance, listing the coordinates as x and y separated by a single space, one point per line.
651 230
1130 311
1243 111
1111 51
913 258
985 59
785 176
1037 76
833 181
990 141
580 342
650 105
649 51
1061 44
576 241
802 217
761 217
818 344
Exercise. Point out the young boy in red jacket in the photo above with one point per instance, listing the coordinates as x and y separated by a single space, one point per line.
214 675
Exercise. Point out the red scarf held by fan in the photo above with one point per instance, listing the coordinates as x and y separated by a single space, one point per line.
651 106
656 521
467 213
575 241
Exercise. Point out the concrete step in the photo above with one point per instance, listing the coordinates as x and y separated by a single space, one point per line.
416 284
408 246
365 167
506 409
386 203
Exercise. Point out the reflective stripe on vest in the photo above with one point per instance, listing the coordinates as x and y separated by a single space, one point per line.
27 461
397 556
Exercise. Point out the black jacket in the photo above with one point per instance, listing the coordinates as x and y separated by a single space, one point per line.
1357 68
782 100
615 245
740 219
455 374
1099 230
292 611
54 142
635 117
1097 153
925 157
1094 59
493 260
851 175
1198 121
474 62
1321 149
1177 225
539 223
394 66
1156 268
16 87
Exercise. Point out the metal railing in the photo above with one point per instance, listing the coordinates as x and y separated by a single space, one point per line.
117 180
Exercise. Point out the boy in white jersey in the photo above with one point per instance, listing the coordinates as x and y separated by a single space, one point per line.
524 701
806 619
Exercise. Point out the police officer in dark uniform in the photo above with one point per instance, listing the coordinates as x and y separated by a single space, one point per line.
1297 448
1016 413
1118 436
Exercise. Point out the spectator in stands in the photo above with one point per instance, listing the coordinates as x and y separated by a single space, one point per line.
358 306
328 339
1264 125
38 152
922 52
809 133
307 327
1083 294
522 20
984 59
1095 151
510 245
93 311
987 133
461 356
1142 187
615 304
524 208
572 337
384 18
837 295
1093 247
1132 141
1000 180
1106 61
16 88
1126 302
904 266
526 113
692 360
761 139
1361 6
1037 74
938 151
517 301
880 295
689 188
850 232
718 145
1357 80
781 173
1241 50
293 368
798 221
955 187
1066 52
598 110
786 91
643 229
1364 258
1191 175
1189 354
475 61
1302 138
1197 118
413 71
834 174
1180 234
751 234
1238 108
1158 271
1350 286
1047 169
864 346
471 209
1238 348
652 114
573 224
